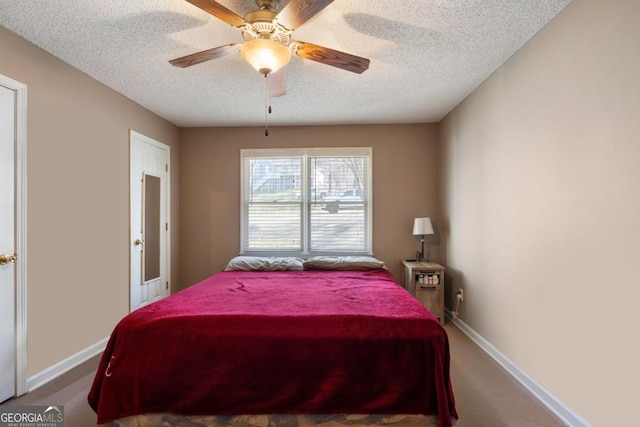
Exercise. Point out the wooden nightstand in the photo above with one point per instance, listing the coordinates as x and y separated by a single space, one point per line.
425 281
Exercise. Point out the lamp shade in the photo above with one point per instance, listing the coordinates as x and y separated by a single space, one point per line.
422 226
265 55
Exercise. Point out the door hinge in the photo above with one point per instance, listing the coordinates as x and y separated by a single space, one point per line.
167 285
166 226
166 167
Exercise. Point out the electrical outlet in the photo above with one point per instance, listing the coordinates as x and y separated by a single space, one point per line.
461 293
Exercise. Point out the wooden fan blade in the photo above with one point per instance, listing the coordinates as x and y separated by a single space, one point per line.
297 12
335 58
205 55
275 84
219 11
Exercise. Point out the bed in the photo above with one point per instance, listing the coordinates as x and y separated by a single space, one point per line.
302 343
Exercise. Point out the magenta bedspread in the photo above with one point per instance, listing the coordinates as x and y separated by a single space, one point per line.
278 342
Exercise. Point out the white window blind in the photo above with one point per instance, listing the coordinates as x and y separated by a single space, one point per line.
306 201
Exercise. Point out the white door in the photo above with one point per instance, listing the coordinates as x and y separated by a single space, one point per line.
7 244
13 315
149 220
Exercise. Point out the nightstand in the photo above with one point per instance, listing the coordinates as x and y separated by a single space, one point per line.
425 281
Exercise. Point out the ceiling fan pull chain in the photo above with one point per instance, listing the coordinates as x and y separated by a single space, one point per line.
267 106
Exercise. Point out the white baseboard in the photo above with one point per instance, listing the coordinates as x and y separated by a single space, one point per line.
54 371
561 410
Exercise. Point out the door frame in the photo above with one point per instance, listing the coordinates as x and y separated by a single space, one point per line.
138 137
20 90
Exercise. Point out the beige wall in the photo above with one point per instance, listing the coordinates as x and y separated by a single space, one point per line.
542 203
404 186
78 200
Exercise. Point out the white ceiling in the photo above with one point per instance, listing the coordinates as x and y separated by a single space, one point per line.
426 56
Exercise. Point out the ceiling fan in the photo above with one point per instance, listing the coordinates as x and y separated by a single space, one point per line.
268 44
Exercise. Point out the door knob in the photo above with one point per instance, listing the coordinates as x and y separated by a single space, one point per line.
138 242
7 259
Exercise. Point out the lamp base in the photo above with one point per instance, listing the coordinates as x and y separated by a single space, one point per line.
420 254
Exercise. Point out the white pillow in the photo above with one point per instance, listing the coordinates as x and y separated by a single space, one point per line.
254 263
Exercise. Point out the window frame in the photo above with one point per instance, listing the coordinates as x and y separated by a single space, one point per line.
305 214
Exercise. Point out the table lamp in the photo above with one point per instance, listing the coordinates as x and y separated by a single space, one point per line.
422 226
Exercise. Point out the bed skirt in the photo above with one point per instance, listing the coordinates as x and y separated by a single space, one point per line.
278 420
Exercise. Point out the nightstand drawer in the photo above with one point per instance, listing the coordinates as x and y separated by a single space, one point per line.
427 287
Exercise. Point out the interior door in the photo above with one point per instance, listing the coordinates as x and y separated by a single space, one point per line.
7 245
149 220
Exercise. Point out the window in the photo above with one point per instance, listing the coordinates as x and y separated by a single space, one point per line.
306 200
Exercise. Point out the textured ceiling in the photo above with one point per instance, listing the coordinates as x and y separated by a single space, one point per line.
426 56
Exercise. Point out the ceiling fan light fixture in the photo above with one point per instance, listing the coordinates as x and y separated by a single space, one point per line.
265 55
